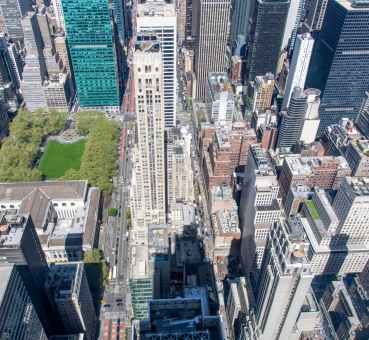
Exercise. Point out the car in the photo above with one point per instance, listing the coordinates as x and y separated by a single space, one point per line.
107 305
118 300
119 304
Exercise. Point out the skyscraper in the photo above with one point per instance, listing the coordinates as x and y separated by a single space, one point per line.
266 34
259 207
158 18
299 66
148 182
19 319
285 278
292 24
241 11
293 120
68 288
91 45
340 65
211 28
34 71
20 245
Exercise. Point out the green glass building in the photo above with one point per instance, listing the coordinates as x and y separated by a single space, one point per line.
93 55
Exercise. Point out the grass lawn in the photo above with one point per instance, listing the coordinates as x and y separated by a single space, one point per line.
58 158
313 210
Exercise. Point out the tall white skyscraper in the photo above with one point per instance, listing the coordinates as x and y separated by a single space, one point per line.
148 181
299 65
158 18
292 23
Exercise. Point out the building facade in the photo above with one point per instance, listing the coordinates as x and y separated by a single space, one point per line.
339 65
211 29
299 66
148 182
266 34
158 18
93 55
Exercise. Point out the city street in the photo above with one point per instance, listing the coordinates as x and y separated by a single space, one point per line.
116 297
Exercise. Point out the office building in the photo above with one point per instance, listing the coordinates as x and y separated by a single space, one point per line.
220 98
227 153
293 120
259 207
336 248
344 304
357 156
285 279
351 207
20 245
316 12
179 167
34 70
148 182
11 14
93 55
338 136
325 172
19 319
211 30
299 66
58 92
267 28
65 215
241 13
312 119
292 24
180 318
140 281
339 66
262 90
158 18
362 121
67 287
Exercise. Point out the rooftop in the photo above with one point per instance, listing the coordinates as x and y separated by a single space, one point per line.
227 221
262 160
155 8
11 229
140 268
219 82
354 5
52 189
304 166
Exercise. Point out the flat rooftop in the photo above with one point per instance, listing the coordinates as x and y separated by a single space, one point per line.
304 166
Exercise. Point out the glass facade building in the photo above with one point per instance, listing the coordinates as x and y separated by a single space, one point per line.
91 46
141 294
266 33
340 62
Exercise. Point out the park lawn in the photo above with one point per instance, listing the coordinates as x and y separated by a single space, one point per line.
58 158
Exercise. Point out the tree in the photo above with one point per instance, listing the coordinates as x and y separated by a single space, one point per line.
87 120
21 147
